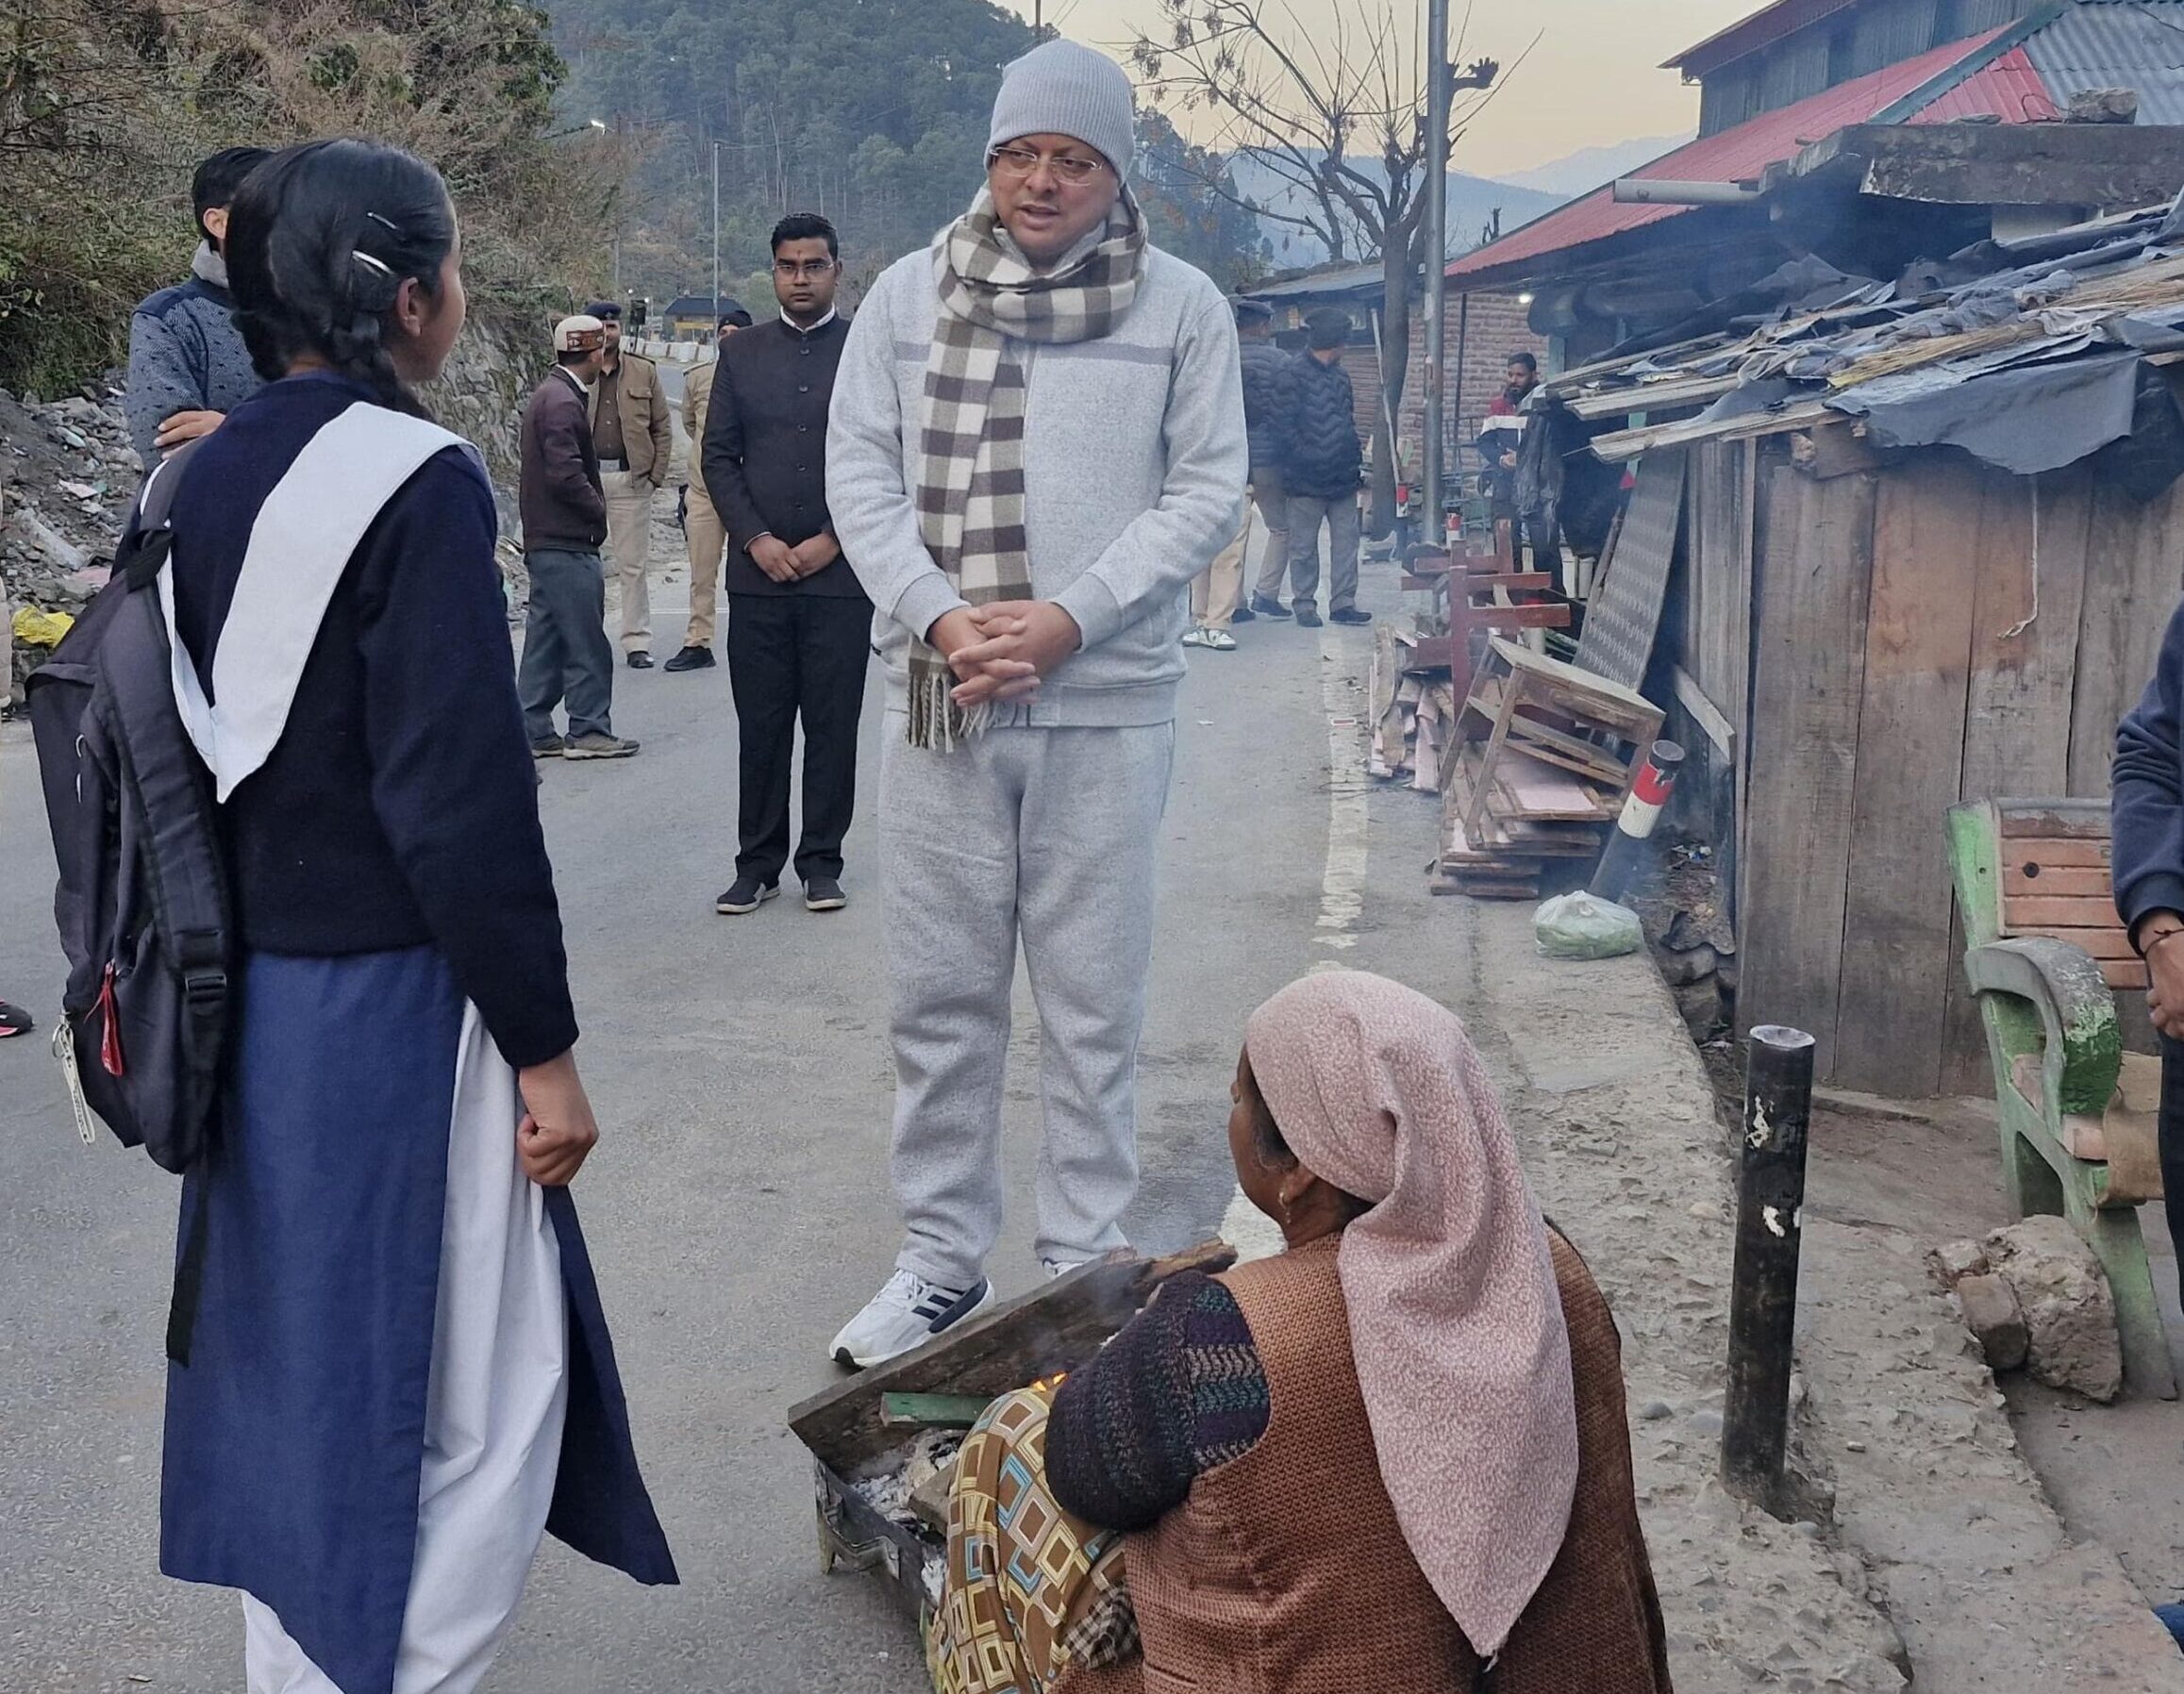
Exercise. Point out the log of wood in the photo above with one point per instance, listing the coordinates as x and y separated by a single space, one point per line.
1054 1328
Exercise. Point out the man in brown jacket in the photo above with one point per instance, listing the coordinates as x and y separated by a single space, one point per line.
703 531
566 653
635 436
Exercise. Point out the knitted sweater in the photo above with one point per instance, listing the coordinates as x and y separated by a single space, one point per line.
1178 1392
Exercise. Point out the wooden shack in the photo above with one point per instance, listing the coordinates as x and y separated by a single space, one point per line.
1868 623
1881 642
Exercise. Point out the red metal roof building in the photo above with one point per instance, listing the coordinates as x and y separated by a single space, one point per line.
1740 154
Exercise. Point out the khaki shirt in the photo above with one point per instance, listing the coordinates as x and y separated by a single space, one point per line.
647 431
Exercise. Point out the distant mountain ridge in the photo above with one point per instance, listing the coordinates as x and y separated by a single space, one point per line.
1587 169
1473 202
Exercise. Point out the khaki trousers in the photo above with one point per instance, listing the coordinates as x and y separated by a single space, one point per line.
707 538
629 552
1215 589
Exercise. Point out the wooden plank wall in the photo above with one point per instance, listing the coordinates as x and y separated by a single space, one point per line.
1935 632
1807 691
1718 634
1917 634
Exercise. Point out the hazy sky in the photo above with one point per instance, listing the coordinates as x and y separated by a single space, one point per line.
1591 80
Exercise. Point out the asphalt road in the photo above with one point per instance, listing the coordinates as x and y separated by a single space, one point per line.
738 1207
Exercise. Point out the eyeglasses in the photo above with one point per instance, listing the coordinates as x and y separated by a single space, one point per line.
812 268
1016 163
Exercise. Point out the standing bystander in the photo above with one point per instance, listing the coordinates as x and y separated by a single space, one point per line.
1268 406
566 653
703 532
799 624
1038 440
1326 461
187 366
1501 442
634 437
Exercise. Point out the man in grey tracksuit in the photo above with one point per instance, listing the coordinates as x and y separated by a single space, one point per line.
1042 822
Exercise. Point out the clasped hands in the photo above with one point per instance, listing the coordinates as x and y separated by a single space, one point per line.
786 564
999 651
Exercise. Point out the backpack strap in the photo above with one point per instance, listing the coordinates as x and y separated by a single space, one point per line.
300 546
144 550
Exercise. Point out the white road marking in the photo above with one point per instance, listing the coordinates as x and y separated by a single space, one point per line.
1343 885
1244 1226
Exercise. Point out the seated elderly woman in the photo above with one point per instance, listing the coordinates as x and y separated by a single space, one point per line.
1392 1458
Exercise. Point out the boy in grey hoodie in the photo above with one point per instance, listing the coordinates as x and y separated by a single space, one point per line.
1037 440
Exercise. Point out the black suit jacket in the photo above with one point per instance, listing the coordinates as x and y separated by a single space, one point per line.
765 448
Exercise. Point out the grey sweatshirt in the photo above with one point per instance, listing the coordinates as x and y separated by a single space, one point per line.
1134 462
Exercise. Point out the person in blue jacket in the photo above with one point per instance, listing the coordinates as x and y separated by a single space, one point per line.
2146 801
398 1377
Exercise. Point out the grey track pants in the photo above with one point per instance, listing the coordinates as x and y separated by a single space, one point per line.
1050 834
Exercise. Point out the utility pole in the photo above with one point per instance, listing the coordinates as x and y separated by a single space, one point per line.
1437 91
715 307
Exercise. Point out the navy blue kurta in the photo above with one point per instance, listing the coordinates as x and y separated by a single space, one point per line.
295 1431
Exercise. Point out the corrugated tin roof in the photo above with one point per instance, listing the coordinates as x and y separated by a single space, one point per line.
2117 44
1336 280
2008 87
1733 155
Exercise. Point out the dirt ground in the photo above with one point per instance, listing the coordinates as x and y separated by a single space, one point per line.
2113 1471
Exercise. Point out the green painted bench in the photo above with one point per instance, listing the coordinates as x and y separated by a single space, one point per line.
2046 955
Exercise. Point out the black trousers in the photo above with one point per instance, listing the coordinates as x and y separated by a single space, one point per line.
794 655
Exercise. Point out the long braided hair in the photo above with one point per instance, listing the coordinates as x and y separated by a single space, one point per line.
320 240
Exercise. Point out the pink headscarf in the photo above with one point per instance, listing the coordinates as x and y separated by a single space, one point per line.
1455 1314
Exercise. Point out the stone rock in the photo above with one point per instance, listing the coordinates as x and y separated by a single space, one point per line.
1995 1317
1954 1260
1692 965
2069 1314
2104 105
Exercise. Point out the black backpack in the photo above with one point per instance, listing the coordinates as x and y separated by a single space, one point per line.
143 904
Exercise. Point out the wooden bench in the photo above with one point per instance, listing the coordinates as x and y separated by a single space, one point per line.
2046 955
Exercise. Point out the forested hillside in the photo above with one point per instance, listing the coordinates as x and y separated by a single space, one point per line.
107 105
873 112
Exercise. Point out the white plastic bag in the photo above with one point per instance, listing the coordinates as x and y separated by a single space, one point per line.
1583 925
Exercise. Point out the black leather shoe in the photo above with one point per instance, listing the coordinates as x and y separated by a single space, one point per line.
1267 606
691 658
1243 614
1308 617
640 661
1349 615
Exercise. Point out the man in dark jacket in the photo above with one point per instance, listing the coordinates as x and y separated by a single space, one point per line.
2147 853
187 366
799 624
566 653
1326 462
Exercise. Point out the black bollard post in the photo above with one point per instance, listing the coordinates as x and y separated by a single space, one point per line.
1634 823
1763 1291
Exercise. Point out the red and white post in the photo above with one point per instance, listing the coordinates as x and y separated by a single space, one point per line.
1641 812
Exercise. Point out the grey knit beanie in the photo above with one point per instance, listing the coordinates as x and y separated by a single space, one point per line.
1063 87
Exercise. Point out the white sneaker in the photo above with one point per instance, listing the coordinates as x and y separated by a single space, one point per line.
1219 640
1058 1268
905 1313
1196 638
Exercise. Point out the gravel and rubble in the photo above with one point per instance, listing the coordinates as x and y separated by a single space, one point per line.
67 477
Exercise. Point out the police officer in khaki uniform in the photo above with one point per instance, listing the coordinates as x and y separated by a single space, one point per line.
634 435
703 532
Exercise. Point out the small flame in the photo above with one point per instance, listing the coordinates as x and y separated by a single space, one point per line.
1046 1385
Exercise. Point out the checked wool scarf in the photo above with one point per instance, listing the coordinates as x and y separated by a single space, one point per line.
970 492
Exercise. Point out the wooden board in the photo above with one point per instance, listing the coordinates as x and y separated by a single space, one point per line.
1897 963
2108 943
1718 646
2134 569
2072 912
1056 1327
1625 615
2053 852
2032 878
1808 685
